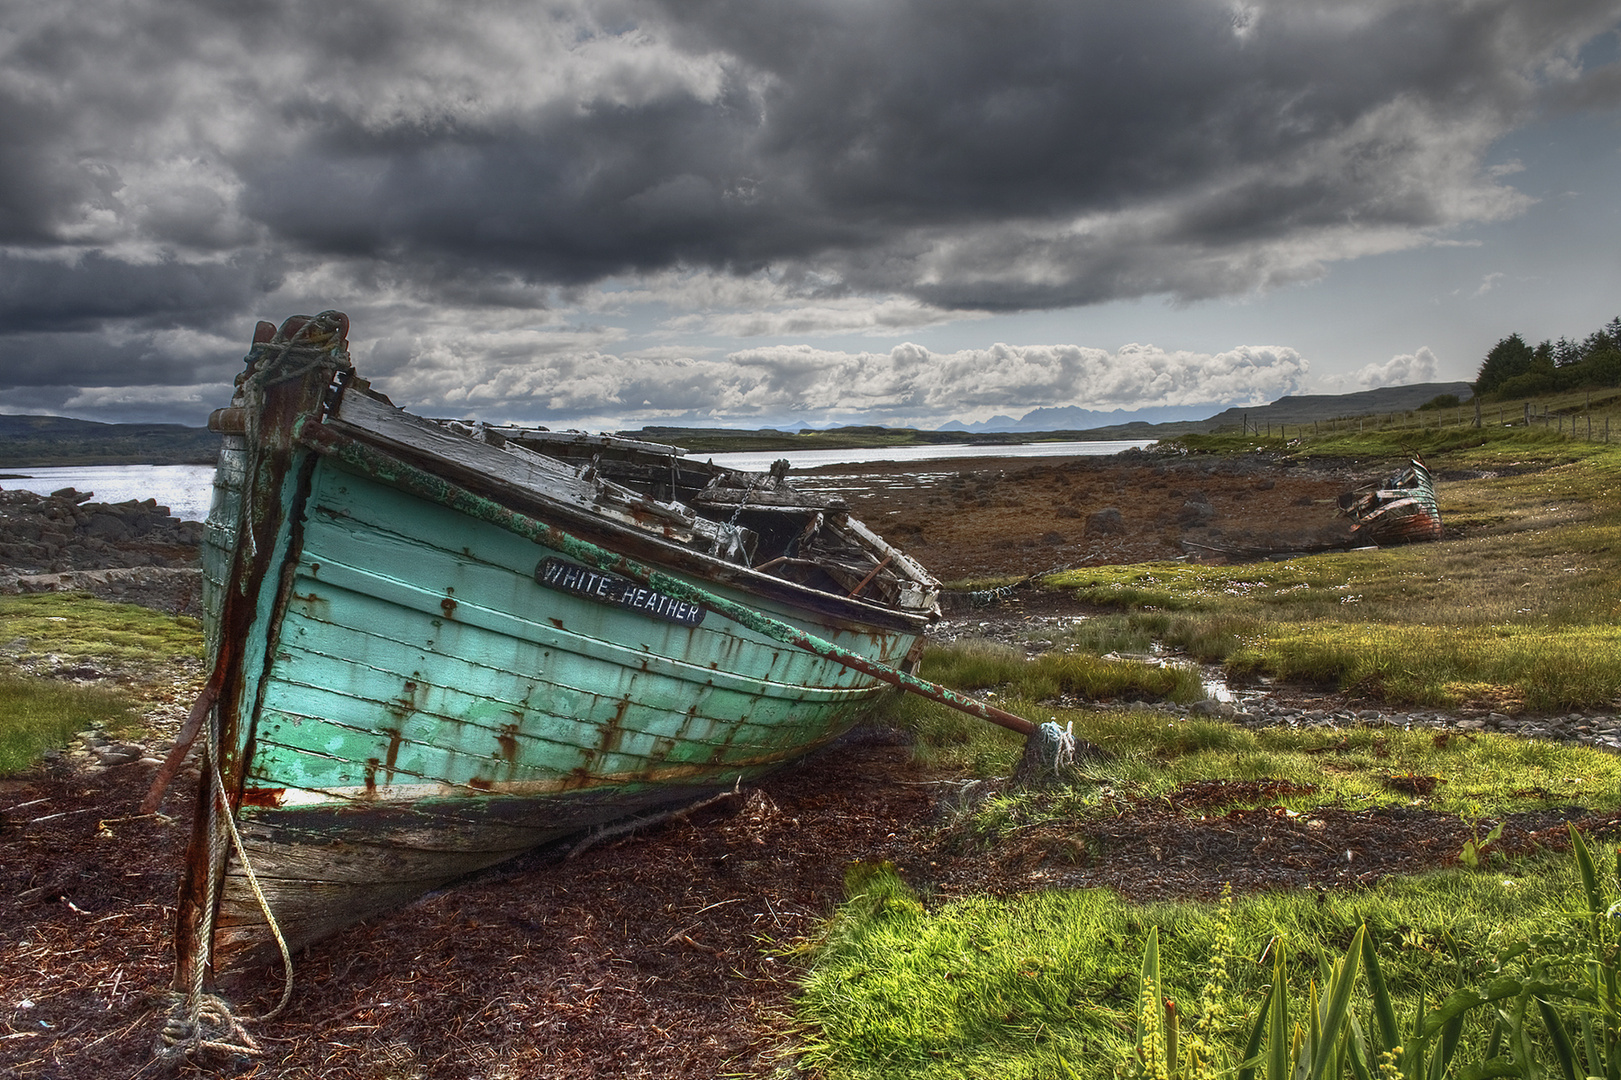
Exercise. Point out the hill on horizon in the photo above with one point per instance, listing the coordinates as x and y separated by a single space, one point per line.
1304 408
61 440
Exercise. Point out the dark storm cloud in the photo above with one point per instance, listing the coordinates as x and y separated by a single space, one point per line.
861 139
166 163
49 362
96 289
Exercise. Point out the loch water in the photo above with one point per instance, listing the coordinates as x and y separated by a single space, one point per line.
187 489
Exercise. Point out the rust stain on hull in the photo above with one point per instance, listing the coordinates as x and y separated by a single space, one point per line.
1401 510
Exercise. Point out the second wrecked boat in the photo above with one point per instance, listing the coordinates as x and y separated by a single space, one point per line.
1401 510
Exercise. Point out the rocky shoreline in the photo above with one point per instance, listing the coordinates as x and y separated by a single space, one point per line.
1267 708
132 552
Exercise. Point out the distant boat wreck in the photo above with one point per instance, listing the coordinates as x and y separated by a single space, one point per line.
1399 509
1402 510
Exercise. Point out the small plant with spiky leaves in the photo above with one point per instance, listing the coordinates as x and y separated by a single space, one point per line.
1552 1008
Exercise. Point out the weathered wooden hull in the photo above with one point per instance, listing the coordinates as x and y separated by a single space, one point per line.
430 709
1402 512
412 693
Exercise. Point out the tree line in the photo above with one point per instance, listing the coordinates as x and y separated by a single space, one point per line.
1514 369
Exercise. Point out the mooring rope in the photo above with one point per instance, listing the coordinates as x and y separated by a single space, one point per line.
258 895
201 1020
207 1023
271 371
207 1026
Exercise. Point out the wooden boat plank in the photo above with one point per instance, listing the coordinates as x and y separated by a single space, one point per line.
429 738
501 656
309 910
326 872
629 519
512 643
385 763
565 440
352 525
370 680
357 759
491 823
386 686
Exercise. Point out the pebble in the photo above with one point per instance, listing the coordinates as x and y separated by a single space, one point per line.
119 753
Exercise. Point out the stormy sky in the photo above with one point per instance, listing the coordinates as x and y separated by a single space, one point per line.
797 212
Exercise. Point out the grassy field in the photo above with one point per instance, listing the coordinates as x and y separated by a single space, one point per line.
75 627
1045 985
37 715
70 630
1518 613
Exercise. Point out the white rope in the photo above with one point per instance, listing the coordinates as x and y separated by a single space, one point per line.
207 1023
259 895
184 1037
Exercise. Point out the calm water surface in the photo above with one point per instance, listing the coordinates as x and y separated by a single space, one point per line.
187 489
809 459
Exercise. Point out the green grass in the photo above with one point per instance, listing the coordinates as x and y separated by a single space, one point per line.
37 715
79 627
1448 435
983 987
1155 752
981 665
1521 613
1007 987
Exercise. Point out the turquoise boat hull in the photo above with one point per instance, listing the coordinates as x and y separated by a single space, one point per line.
409 693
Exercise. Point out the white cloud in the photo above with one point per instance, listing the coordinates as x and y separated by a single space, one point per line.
1399 370
107 398
488 181
536 379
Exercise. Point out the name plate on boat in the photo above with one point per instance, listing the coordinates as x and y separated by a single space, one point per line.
620 592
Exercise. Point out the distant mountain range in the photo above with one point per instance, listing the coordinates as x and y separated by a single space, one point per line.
1301 409
1075 418
1308 407
56 440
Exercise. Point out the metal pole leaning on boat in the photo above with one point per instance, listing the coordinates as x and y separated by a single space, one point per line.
390 470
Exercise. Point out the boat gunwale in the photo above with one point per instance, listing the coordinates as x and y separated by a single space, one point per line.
327 438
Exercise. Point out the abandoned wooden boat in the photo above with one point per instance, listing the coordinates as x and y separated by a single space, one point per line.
438 644
1402 510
